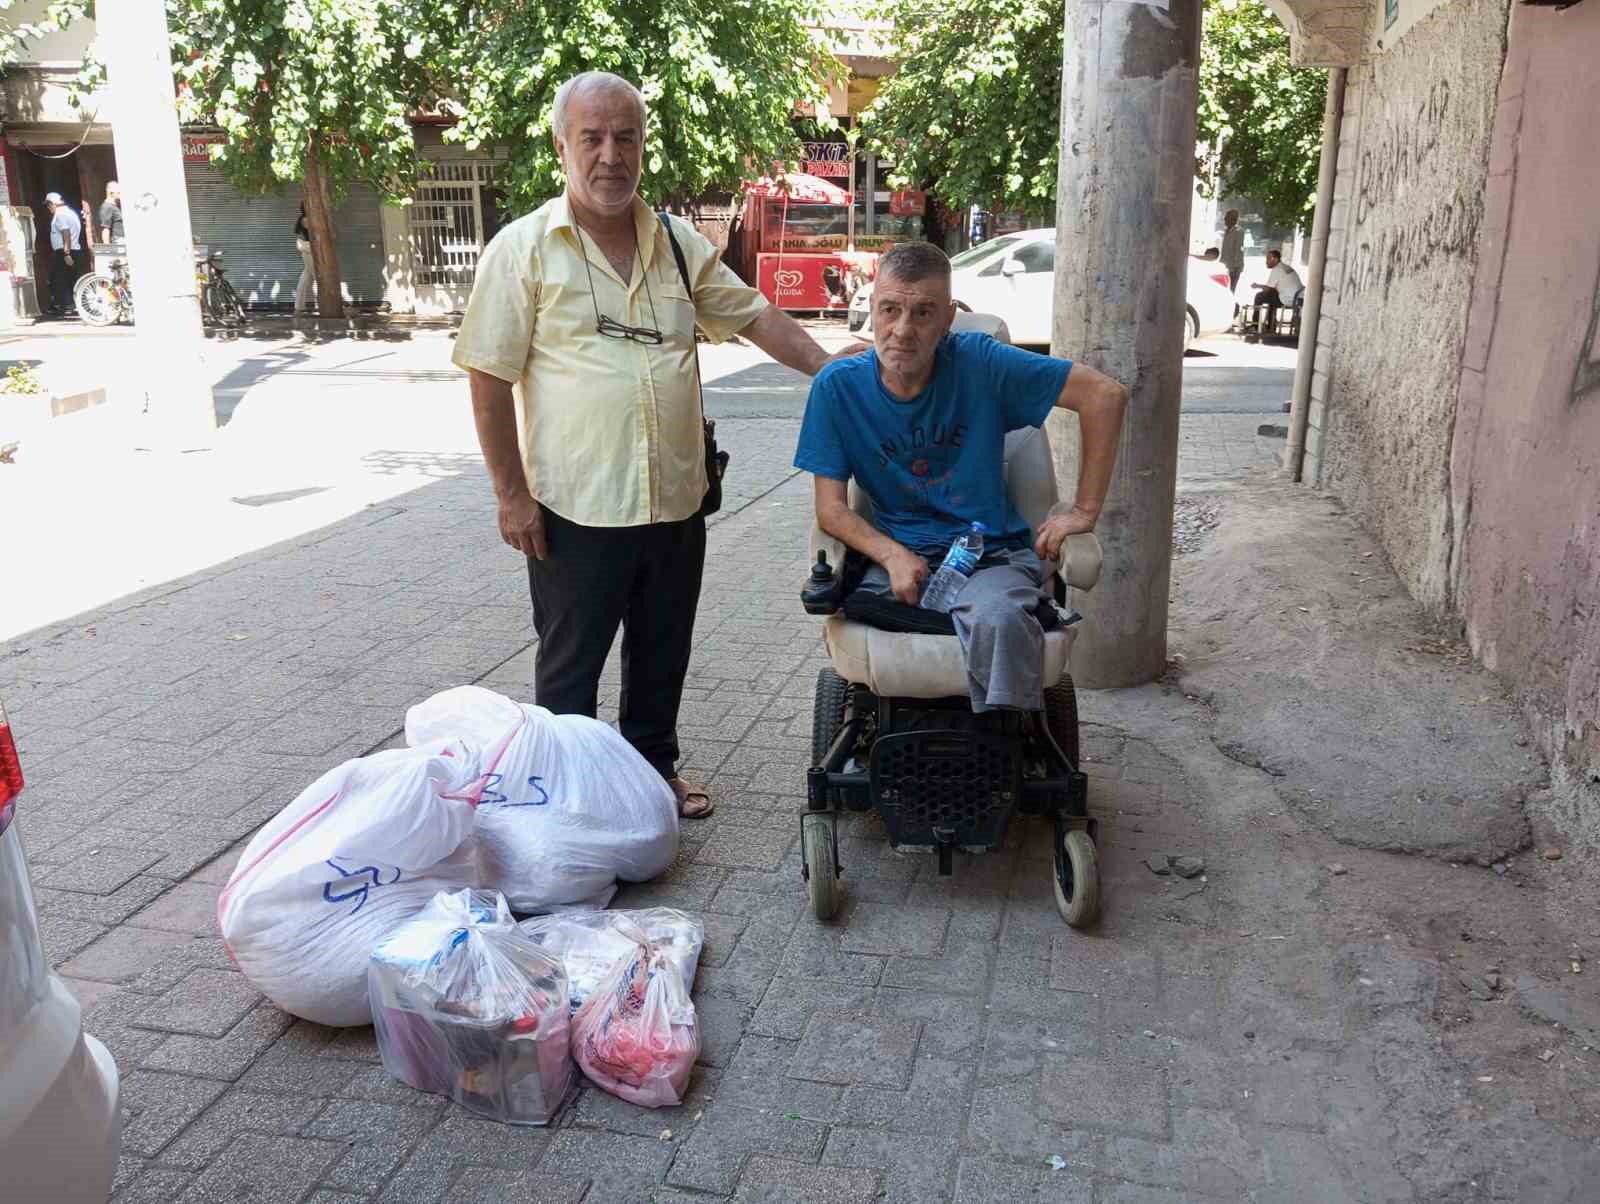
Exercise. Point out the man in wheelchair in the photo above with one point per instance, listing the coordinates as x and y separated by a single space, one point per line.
947 738
920 424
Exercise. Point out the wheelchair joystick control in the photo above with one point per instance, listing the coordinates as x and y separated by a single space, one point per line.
819 594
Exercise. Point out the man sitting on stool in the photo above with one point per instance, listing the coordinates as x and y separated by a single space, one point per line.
1282 286
920 422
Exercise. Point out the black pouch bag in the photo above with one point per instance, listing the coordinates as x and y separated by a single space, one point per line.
716 461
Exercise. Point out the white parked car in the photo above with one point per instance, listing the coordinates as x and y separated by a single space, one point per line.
60 1125
1013 277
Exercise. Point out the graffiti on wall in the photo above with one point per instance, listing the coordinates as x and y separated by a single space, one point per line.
1587 377
1392 242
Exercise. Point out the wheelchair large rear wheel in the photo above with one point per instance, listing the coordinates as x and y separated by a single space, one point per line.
817 833
1077 879
827 715
1061 716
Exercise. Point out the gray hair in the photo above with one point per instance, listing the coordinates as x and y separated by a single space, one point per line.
602 80
909 262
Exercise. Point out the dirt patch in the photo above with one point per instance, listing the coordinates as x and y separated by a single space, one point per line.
1372 721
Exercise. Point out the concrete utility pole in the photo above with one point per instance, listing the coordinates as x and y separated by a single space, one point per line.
1294 452
1122 235
144 127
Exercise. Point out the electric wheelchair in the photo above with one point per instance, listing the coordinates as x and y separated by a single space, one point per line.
893 729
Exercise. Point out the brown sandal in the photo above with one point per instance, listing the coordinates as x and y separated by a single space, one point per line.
693 801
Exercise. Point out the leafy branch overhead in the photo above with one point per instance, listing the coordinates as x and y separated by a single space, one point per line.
721 78
974 108
1266 115
280 77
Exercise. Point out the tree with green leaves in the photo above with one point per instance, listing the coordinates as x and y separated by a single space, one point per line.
15 35
721 79
319 91
1261 115
974 107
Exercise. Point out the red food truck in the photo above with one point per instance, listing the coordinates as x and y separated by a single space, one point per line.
795 240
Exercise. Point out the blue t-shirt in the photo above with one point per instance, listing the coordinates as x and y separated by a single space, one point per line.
933 465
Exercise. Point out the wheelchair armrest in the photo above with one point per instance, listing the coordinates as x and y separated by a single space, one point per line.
1081 559
824 596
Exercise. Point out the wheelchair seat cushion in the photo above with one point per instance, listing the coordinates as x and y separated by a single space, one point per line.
919 665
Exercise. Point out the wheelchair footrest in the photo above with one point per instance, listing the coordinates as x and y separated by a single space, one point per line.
937 787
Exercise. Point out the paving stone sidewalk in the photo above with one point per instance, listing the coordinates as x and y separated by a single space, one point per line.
945 1039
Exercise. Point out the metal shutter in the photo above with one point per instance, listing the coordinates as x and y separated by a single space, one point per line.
256 237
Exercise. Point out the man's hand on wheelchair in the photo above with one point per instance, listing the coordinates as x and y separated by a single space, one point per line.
1062 522
908 573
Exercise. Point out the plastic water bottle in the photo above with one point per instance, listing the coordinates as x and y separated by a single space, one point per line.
960 562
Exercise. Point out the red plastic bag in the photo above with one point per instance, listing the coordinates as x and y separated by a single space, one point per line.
637 1036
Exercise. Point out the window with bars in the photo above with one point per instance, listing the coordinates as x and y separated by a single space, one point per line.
451 217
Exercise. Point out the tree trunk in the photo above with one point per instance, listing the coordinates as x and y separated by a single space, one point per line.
319 220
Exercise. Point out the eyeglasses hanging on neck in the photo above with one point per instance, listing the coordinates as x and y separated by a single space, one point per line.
609 327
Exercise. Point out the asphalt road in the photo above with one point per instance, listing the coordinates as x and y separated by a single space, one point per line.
1226 377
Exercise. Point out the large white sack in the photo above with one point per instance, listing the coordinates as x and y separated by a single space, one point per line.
568 806
359 852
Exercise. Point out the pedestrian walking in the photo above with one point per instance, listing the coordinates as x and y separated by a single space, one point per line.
66 252
111 214
306 288
1232 248
582 325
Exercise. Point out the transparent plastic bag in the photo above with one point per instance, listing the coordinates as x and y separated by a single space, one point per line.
468 1007
590 944
637 1036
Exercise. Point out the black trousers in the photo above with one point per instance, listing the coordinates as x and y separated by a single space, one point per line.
63 278
1269 298
645 579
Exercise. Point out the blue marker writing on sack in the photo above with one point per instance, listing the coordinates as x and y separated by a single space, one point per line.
493 798
359 893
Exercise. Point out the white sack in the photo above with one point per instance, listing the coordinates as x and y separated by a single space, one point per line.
568 806
359 852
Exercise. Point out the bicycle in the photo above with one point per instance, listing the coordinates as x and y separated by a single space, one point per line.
105 298
219 303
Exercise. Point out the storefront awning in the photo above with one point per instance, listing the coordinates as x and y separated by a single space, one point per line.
799 188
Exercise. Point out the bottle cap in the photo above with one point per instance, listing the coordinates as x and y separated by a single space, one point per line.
980 528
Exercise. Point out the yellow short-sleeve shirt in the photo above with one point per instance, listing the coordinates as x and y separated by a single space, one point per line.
610 428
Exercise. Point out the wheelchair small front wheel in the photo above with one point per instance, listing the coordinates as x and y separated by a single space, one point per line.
817 832
1077 879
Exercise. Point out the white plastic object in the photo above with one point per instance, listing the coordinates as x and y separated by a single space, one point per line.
568 806
464 1005
60 1125
360 851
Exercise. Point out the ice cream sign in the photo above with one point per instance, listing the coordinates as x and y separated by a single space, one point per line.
803 281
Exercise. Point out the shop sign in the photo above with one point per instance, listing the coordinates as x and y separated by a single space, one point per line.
828 160
812 242
908 202
197 147
803 281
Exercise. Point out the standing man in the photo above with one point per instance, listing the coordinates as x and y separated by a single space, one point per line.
579 345
1232 248
111 214
66 247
